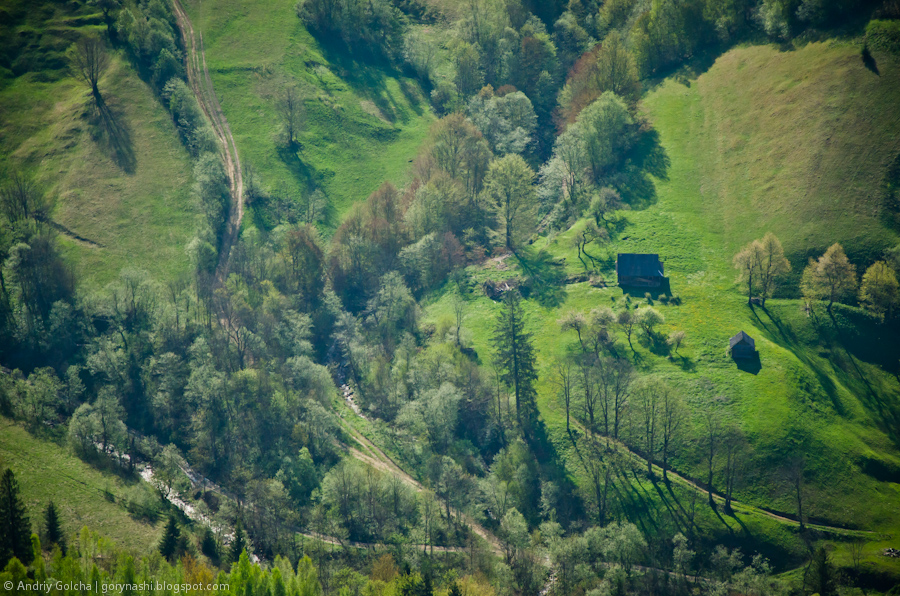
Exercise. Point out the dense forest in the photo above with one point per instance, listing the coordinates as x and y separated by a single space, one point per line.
302 422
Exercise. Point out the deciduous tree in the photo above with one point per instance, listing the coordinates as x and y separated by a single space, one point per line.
292 111
879 290
509 187
831 277
89 60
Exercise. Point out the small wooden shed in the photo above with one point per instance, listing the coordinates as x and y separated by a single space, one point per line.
640 270
743 346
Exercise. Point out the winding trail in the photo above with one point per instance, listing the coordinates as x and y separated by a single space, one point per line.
201 84
371 454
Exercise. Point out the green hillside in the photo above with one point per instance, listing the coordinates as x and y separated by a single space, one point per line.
83 495
797 143
746 159
364 121
121 178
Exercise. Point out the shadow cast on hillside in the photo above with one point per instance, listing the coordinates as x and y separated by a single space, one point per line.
646 160
545 277
748 365
368 78
112 133
782 333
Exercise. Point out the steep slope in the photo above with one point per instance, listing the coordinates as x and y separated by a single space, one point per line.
83 495
363 120
121 175
797 143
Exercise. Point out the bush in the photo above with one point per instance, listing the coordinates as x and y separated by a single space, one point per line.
883 35
142 503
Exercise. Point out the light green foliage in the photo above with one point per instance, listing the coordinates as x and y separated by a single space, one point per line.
211 192
607 129
883 35
508 186
830 277
879 291
507 122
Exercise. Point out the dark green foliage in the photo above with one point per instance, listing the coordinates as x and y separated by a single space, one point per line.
238 543
361 24
15 528
208 545
821 576
53 533
168 544
515 356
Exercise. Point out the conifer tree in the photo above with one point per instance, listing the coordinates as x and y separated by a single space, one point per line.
168 546
208 545
52 528
515 354
238 544
15 528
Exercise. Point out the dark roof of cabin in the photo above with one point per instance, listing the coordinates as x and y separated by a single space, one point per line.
638 265
743 337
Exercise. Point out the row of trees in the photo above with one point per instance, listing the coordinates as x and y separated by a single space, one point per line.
830 278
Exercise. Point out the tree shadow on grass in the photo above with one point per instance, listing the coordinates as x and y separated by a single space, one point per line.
646 160
782 333
869 61
545 277
110 130
368 78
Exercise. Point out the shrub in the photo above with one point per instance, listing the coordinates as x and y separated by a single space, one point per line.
883 35
142 503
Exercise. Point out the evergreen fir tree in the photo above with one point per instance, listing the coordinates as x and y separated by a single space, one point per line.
238 544
208 545
515 356
454 590
15 528
168 546
52 528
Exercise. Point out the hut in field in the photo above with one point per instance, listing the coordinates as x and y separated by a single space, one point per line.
743 346
640 270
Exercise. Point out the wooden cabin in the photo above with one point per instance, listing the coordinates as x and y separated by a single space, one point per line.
640 270
743 346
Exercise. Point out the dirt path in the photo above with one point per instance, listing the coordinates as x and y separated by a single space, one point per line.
375 457
201 84
719 498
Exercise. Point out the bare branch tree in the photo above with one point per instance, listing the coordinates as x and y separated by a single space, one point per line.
673 414
290 107
89 60
713 424
735 447
565 383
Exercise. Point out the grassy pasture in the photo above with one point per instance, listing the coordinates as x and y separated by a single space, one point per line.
120 175
746 155
364 121
46 471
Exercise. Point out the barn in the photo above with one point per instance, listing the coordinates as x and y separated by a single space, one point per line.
743 346
640 270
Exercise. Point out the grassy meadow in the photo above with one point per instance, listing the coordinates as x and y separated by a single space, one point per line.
120 176
84 495
364 122
747 155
